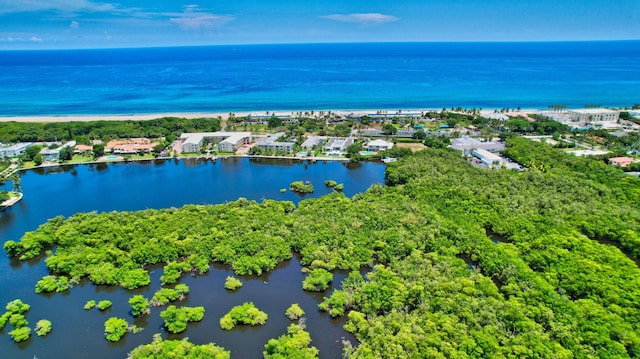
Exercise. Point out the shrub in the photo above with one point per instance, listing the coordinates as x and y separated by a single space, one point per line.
246 313
300 187
317 280
52 283
176 319
232 283
294 312
89 304
43 327
20 334
17 306
115 328
168 349
139 305
330 183
104 304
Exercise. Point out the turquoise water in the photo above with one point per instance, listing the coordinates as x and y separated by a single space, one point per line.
319 76
367 153
112 157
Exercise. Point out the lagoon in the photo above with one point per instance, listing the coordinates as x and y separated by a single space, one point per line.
66 190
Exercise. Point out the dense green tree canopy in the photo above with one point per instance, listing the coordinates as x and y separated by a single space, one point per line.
176 319
64 131
294 344
159 348
247 313
115 328
466 261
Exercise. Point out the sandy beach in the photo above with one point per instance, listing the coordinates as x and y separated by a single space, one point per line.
224 116
143 117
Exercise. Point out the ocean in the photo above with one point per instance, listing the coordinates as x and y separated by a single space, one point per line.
260 78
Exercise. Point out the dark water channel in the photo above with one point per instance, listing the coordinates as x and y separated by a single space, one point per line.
79 334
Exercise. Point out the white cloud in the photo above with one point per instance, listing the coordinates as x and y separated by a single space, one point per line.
74 25
14 6
20 39
194 19
362 18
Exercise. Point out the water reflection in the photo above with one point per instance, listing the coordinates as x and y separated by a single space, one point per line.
132 186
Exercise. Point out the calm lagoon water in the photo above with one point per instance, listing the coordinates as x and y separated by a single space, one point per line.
159 184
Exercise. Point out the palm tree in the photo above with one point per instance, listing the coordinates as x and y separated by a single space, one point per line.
15 180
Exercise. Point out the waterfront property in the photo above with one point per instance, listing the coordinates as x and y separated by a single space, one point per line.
14 150
378 145
271 143
336 146
227 141
53 154
129 146
313 142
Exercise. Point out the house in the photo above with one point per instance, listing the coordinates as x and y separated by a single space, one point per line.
378 145
621 161
227 141
336 146
14 150
83 149
129 146
313 142
50 155
271 143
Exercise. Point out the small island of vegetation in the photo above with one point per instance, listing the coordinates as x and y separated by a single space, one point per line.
295 344
176 319
115 328
232 283
246 313
167 295
159 348
301 187
139 305
294 312
318 280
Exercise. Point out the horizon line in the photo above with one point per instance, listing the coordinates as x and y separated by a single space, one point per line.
317 43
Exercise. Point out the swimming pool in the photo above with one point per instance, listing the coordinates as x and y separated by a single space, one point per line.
367 153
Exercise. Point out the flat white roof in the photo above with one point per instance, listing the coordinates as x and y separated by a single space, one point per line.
231 137
17 146
487 155
379 143
593 110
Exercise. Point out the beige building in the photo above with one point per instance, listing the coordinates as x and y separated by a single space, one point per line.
594 116
227 141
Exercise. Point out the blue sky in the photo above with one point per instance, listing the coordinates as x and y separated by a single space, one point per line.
37 24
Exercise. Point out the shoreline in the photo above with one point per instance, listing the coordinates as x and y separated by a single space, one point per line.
212 158
222 115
